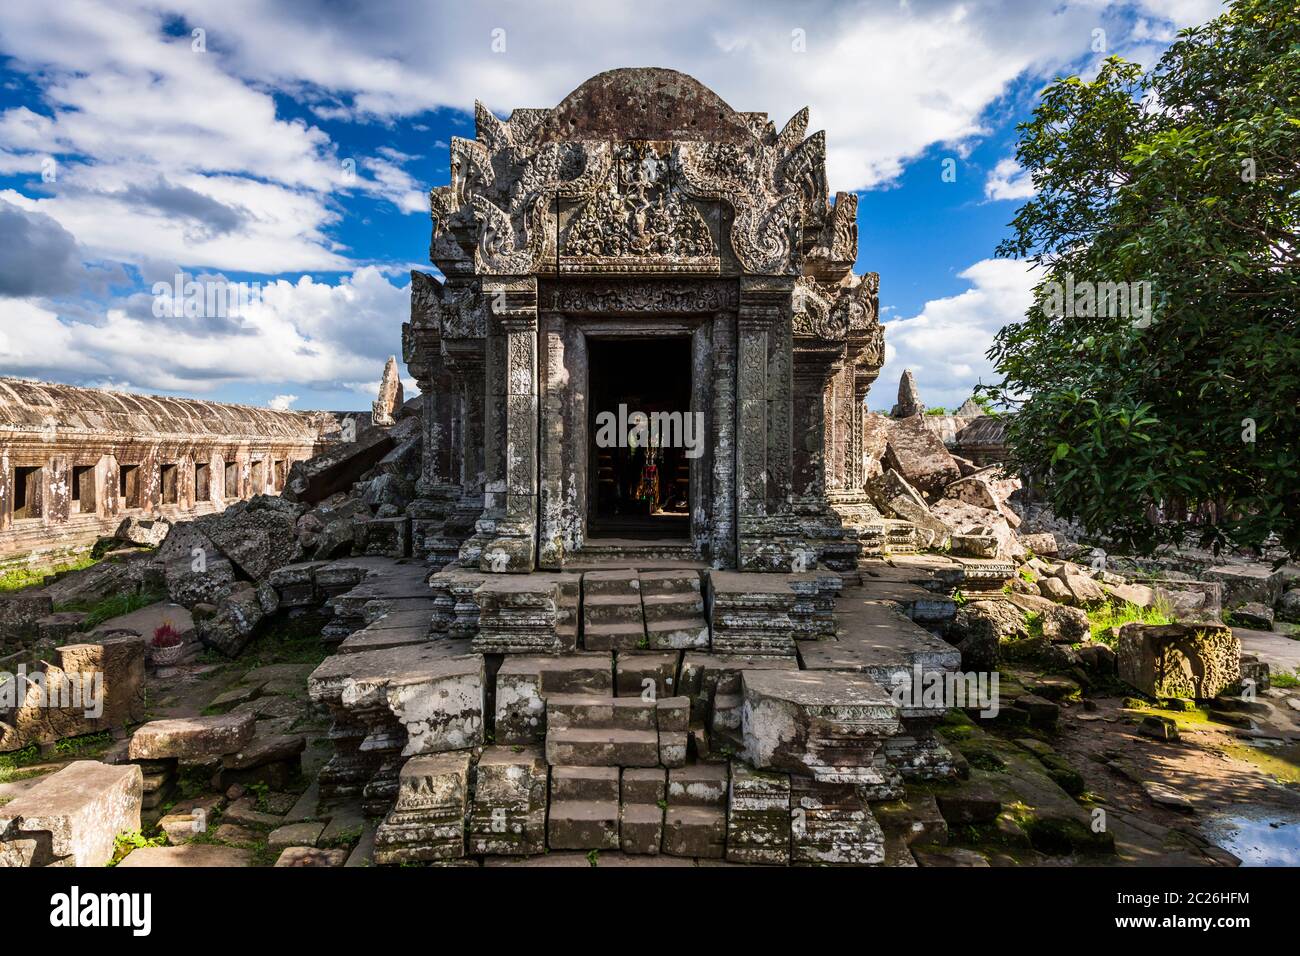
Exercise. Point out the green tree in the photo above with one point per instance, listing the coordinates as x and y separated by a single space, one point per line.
1184 182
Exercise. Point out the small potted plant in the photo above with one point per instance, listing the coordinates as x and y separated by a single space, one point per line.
166 647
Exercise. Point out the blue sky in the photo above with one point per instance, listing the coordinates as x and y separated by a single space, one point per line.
291 146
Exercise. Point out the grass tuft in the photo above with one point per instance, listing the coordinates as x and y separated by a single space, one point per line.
1102 619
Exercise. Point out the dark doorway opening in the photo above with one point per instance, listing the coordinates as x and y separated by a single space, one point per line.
128 486
202 482
27 493
83 489
642 436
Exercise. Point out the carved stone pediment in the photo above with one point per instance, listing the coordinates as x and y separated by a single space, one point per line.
837 312
638 219
636 190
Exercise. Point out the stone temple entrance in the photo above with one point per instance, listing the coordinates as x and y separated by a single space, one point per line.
643 437
569 237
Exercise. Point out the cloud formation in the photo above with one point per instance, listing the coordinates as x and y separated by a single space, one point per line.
148 150
945 343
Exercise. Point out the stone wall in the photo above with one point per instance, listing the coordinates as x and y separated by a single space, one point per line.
75 461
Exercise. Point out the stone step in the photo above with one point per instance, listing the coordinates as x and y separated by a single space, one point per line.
670 582
695 831
612 609
641 828
565 711
698 785
633 669
602 747
583 825
524 682
585 783
643 785
623 581
614 637
677 633
670 606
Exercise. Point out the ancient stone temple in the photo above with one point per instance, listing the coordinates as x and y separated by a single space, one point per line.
643 378
643 249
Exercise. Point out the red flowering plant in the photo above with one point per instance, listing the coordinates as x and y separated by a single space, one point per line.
165 636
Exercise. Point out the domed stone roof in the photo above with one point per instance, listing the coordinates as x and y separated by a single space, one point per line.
650 103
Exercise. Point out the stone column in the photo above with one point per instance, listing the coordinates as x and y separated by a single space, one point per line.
6 491
464 359
56 507
514 302
817 367
764 418
722 546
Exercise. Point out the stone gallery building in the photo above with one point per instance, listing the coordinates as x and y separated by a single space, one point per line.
643 248
75 461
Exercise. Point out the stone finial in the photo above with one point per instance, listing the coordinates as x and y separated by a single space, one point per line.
909 397
384 411
969 409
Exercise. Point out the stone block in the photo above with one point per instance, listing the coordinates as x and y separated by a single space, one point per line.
758 816
312 856
830 824
190 855
508 813
1179 660
829 726
428 820
72 817
192 737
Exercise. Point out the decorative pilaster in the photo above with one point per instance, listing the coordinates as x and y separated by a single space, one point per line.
513 301
767 537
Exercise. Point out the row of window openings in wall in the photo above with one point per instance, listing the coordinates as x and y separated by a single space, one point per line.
27 485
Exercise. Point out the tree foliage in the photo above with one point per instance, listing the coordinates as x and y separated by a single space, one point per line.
1186 178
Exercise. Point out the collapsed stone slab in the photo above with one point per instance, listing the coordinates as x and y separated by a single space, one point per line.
829 726
192 738
916 453
395 703
94 687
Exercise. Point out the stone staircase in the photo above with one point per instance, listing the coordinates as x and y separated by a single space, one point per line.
589 731
584 812
673 605
612 617
641 810
695 822
702 714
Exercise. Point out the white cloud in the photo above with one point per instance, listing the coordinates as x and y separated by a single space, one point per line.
282 403
887 81
140 122
945 343
169 156
305 332
1008 181
1184 13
